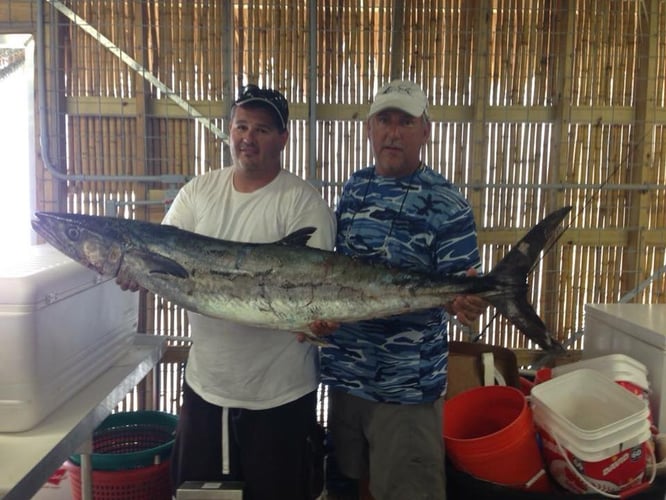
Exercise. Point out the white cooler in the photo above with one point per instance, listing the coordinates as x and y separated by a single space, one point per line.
61 325
638 331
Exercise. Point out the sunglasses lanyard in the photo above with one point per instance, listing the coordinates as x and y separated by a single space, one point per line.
383 247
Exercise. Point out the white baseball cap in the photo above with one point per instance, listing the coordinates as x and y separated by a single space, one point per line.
400 94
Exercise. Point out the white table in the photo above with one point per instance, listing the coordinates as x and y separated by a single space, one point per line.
27 459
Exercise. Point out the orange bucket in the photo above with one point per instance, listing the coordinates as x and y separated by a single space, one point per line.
489 434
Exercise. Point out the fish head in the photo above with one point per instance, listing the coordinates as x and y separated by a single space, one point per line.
95 242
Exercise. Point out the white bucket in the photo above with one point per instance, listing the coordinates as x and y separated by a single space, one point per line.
594 432
619 367
624 370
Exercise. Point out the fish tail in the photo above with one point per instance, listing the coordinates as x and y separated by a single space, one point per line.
510 279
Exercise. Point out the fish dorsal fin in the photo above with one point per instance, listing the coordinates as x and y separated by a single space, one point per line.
298 238
157 264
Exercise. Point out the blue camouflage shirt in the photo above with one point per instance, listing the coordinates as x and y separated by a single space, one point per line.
419 222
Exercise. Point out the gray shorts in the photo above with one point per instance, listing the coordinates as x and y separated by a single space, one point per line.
398 447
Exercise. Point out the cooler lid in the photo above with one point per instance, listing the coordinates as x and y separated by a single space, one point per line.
42 275
646 322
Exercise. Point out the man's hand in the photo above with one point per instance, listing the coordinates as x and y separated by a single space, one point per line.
320 328
126 283
467 308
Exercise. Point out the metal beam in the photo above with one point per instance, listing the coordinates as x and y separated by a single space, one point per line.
137 67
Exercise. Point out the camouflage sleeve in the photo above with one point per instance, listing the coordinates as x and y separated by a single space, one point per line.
458 248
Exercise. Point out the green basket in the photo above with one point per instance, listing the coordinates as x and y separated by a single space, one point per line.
131 440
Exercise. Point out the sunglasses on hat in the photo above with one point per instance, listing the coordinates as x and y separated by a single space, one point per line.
273 98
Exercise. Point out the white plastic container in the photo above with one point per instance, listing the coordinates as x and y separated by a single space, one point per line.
589 406
586 418
639 331
618 367
61 325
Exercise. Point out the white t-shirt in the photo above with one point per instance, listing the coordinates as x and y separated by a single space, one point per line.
235 365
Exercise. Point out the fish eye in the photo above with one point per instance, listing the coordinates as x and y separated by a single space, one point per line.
73 233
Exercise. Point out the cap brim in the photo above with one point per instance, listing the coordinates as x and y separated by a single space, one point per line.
268 103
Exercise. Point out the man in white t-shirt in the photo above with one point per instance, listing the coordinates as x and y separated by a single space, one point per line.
249 398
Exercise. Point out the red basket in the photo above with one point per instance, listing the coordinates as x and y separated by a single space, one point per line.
145 483
130 458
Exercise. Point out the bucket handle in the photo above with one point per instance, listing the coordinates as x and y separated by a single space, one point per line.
528 484
491 375
624 494
523 486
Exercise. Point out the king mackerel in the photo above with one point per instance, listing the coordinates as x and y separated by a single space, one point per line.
286 285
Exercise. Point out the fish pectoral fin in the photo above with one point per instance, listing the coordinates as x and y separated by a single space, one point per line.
298 238
157 264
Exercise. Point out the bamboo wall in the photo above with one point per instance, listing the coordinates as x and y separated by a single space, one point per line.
535 104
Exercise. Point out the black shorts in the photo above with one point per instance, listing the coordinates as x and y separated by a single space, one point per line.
277 453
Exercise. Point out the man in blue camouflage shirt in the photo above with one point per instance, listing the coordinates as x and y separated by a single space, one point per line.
387 377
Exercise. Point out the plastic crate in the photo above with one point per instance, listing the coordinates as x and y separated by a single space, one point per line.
130 458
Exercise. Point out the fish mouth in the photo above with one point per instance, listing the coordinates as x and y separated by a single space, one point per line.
47 226
42 226
66 233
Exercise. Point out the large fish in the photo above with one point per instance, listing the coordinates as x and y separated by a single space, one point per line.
287 285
